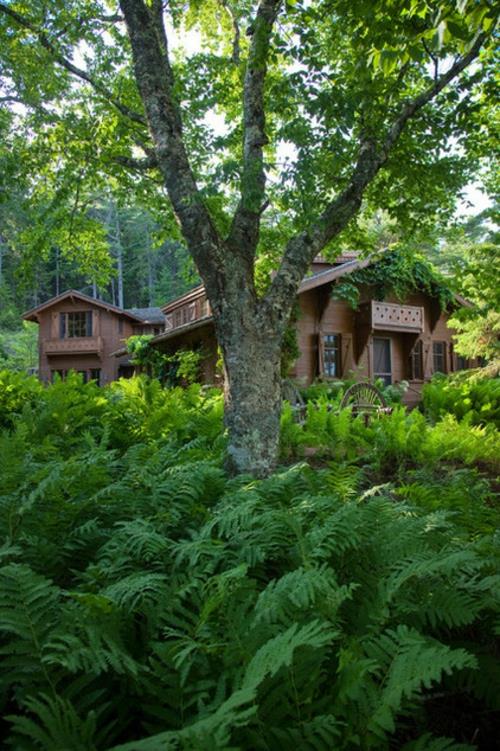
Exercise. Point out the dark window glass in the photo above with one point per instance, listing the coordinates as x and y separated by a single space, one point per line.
331 355
120 325
95 375
416 362
382 359
62 326
76 324
83 374
439 357
461 363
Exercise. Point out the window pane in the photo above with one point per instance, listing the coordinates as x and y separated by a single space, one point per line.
381 356
62 326
439 357
78 324
331 349
416 363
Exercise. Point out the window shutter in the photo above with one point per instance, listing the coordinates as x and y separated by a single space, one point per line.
62 325
89 323
321 355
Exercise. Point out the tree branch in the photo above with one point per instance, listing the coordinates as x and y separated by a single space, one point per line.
235 57
302 248
138 165
155 81
244 233
61 60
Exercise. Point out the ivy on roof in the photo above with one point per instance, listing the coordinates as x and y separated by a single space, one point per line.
395 273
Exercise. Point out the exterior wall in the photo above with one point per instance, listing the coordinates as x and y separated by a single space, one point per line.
319 317
106 327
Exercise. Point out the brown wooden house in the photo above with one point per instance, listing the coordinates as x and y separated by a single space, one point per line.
386 339
80 333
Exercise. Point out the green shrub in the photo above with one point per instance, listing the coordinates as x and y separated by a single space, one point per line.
16 391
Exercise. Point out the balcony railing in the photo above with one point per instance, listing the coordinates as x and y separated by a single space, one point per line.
193 311
392 317
74 345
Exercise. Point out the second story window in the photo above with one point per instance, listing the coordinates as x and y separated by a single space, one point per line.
439 357
75 324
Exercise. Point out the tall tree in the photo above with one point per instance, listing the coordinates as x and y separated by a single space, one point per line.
324 104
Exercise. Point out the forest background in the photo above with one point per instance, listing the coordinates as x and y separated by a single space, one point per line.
144 268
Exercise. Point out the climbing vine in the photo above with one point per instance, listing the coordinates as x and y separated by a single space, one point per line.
145 357
180 368
398 274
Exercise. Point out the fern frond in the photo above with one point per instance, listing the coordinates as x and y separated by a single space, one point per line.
28 613
57 725
428 742
409 662
278 652
291 596
136 592
319 734
92 651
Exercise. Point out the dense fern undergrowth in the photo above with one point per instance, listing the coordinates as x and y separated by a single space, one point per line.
148 602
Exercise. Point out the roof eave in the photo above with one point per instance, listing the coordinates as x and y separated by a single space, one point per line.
29 315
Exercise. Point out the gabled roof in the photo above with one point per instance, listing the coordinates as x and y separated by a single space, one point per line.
187 297
31 315
148 315
336 272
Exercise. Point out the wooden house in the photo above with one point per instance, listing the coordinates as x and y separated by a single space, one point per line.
385 339
80 333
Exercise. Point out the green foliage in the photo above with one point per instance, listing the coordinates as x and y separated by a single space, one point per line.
398 273
69 140
471 258
143 355
147 601
16 392
472 394
180 368
183 367
390 444
19 349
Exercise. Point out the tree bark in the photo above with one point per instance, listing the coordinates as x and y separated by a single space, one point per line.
252 398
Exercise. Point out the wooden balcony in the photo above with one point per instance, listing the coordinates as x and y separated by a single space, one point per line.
188 313
77 345
389 316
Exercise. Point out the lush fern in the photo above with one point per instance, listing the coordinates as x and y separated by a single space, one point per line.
147 601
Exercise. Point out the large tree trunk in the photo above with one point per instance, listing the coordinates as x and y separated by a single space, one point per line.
252 395
250 337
